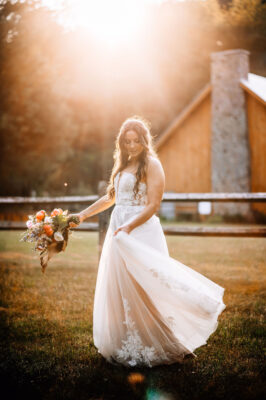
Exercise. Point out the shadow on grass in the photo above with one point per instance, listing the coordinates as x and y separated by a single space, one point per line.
46 360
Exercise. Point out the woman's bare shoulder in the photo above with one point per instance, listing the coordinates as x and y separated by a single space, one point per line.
154 163
155 169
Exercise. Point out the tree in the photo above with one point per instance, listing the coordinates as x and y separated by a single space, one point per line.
61 93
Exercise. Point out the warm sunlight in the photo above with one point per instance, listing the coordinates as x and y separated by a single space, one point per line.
112 22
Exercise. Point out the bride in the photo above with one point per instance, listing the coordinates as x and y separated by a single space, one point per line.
149 308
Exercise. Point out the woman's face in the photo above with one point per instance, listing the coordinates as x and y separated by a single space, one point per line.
132 144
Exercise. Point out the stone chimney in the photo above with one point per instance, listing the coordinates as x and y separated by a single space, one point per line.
230 143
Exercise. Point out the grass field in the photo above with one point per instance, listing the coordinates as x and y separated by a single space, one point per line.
47 349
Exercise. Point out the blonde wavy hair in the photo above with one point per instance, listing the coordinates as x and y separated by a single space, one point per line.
121 158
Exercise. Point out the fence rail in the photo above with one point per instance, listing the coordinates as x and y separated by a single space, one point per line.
167 197
48 200
193 197
168 230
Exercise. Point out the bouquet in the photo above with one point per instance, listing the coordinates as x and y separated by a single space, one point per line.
50 232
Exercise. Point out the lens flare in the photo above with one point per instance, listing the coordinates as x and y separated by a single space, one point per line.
135 377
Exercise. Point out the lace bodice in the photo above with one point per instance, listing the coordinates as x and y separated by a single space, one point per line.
124 185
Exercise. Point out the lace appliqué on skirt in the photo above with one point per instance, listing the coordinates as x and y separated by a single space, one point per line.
133 352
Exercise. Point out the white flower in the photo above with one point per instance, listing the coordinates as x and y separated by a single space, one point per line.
48 220
29 224
58 236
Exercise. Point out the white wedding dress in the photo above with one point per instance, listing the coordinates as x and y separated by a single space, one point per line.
149 308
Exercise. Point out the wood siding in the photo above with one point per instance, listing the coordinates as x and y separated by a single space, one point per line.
186 154
256 112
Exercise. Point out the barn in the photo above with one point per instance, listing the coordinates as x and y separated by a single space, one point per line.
218 142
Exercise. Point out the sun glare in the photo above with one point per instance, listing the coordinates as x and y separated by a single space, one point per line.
111 21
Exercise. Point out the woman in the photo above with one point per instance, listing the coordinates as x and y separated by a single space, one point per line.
149 309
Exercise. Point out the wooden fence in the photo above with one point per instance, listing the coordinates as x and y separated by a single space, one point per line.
167 197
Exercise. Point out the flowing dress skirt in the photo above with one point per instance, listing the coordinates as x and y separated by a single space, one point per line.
149 308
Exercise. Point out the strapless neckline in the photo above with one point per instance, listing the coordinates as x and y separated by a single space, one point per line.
125 172
130 173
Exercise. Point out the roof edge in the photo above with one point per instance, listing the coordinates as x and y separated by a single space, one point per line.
244 84
183 115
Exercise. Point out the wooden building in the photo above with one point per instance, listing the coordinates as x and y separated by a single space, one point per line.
218 142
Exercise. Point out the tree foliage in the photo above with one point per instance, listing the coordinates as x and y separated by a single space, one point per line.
62 100
247 14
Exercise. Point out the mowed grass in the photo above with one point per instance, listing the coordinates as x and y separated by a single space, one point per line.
47 349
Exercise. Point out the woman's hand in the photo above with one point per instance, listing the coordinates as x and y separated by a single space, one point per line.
73 224
126 228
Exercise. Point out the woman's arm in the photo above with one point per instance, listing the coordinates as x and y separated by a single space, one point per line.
155 190
98 206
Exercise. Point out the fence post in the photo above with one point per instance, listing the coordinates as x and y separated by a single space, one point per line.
104 217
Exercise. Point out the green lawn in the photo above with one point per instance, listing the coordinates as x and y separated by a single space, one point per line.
47 350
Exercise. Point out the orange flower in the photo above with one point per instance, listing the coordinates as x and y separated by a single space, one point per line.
40 215
48 230
56 211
